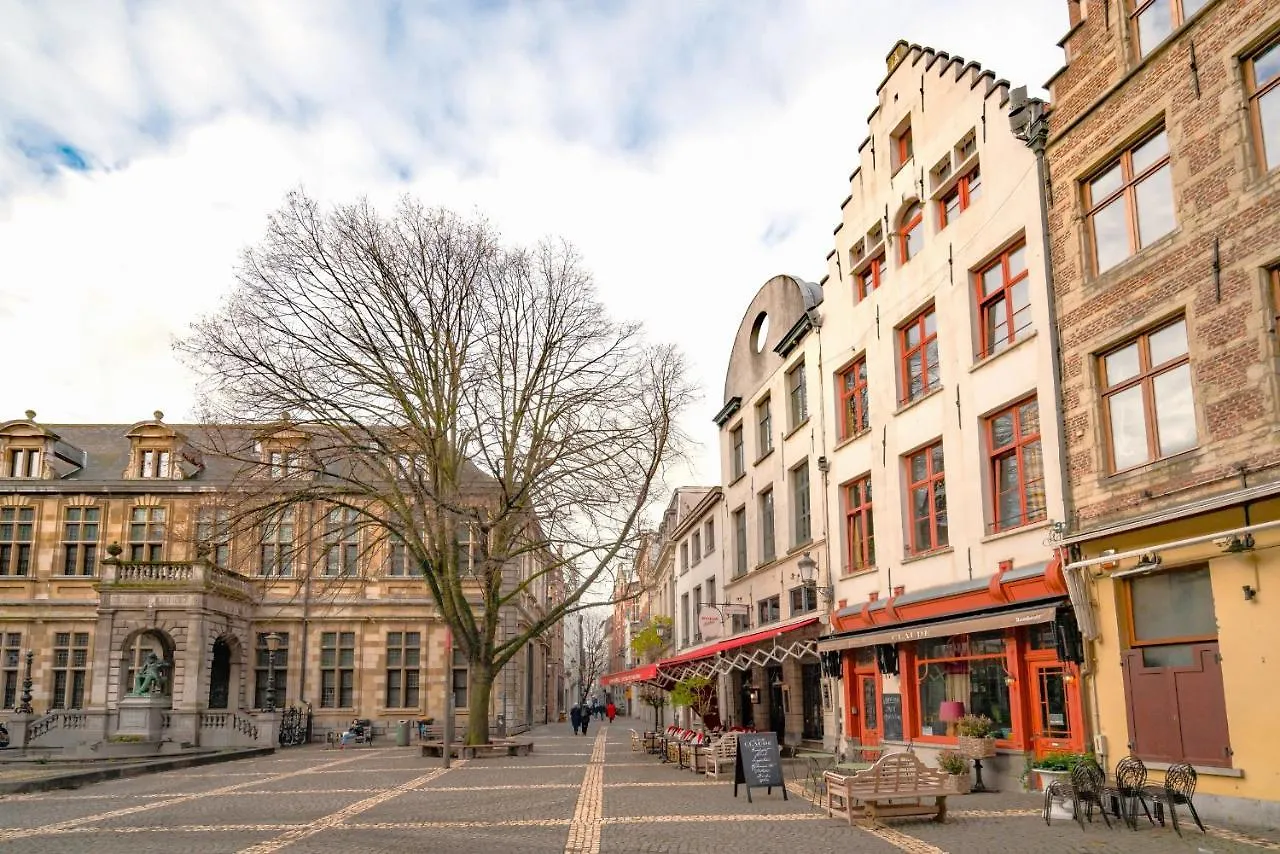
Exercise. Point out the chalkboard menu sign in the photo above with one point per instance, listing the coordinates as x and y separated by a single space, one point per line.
891 716
758 763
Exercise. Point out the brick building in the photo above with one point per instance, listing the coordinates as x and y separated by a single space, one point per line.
116 541
1165 218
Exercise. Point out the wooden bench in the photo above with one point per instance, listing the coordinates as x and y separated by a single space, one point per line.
879 791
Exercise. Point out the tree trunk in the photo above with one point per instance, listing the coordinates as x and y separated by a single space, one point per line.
479 690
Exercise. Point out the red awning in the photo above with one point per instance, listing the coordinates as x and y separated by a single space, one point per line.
734 643
625 677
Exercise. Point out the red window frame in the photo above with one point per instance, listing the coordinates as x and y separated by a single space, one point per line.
870 278
934 475
920 322
852 401
859 525
1146 376
1126 194
966 190
1020 448
912 219
1001 301
903 148
1256 93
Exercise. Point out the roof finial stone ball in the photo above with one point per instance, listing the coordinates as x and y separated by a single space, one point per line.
159 415
31 414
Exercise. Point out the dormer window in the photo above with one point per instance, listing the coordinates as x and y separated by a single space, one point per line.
282 463
23 462
153 462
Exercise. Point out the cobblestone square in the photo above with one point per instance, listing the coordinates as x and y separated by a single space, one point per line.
572 795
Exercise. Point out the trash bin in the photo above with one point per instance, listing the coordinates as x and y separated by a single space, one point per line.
501 726
402 734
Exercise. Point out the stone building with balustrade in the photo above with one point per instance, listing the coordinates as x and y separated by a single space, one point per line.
116 541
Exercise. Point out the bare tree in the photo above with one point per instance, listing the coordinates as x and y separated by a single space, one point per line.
470 401
592 653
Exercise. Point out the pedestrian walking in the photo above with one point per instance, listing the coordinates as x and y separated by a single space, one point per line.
611 711
586 718
575 718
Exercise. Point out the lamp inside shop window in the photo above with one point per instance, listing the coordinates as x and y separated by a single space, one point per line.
950 712
753 696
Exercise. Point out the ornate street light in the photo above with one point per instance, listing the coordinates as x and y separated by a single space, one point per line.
808 570
273 644
24 704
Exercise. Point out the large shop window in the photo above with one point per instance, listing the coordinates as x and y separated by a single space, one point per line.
969 668
1173 675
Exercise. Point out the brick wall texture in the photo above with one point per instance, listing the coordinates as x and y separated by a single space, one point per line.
1103 99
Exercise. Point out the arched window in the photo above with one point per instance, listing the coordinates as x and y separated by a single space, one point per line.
911 233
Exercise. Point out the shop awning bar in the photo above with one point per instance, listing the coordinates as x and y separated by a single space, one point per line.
1043 613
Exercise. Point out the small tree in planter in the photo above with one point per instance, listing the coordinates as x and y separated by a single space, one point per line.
956 765
695 693
975 738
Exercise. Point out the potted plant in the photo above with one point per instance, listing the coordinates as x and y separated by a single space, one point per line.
975 739
1056 765
956 766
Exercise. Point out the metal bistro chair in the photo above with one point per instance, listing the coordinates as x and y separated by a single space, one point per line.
1126 792
1084 789
1179 788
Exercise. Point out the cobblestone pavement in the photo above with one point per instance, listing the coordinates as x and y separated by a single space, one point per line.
574 794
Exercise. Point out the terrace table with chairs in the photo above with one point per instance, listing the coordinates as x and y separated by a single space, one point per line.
1088 787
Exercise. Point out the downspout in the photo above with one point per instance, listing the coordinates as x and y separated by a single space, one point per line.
824 467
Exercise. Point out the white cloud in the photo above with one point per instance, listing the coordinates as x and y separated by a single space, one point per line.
197 118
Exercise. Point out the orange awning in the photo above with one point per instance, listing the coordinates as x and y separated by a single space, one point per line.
644 673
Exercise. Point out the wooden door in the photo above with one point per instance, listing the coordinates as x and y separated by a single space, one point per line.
1053 723
870 728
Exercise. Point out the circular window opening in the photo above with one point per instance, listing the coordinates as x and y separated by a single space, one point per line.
760 332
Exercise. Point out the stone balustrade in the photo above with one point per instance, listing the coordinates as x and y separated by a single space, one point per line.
195 573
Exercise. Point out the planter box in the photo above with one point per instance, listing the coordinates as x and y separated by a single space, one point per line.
976 748
1047 777
961 783
1057 809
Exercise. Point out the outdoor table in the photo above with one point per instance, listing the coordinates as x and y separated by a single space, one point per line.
817 762
651 741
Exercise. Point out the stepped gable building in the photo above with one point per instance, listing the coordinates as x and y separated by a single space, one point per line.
1164 155
116 541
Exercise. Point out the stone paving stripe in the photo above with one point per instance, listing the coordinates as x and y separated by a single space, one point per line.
24 832
901 841
340 817
662 819
584 830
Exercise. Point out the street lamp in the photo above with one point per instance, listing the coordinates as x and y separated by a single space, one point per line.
273 644
808 569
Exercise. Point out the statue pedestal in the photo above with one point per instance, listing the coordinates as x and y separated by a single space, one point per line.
142 718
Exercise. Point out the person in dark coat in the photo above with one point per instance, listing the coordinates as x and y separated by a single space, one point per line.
586 718
575 718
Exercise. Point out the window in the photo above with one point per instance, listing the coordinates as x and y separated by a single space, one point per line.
695 548
870 277
764 426
1146 398
461 673
277 545
851 386
911 233
340 539
1130 204
264 667
397 563
918 342
684 556
1017 465
16 524
709 535
711 591
24 462
80 540
1004 299
927 499
70 663
966 191
738 455
283 463
769 610
859 527
739 623
768 545
1262 76
797 396
10 656
740 541
213 530
146 534
404 657
697 609
684 619
462 544
1172 607
1154 20
337 670
902 148
801 518
970 668
803 599
154 463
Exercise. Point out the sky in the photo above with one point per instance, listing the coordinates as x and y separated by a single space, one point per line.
690 150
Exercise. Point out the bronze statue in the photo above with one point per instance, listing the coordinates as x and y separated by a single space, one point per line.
150 678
